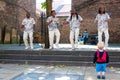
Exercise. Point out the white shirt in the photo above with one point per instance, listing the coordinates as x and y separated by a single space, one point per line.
28 24
74 23
53 25
101 18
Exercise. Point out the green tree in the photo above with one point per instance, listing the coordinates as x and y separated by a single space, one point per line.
44 5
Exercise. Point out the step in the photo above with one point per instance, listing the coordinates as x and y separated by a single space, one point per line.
66 57
55 52
54 57
65 63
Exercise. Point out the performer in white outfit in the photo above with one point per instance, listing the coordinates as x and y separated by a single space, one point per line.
27 26
52 23
102 18
74 21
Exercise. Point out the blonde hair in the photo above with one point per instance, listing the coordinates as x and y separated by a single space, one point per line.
100 45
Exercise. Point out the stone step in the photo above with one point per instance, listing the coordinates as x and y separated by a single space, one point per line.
62 63
55 52
65 57
54 57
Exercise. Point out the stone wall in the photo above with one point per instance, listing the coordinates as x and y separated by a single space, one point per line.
89 12
12 12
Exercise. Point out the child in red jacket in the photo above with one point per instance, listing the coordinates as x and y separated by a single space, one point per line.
101 58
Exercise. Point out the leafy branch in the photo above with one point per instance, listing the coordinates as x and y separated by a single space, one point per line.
44 4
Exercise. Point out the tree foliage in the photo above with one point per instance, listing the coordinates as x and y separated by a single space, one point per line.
44 5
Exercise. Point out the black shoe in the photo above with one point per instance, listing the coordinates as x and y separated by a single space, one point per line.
98 76
103 77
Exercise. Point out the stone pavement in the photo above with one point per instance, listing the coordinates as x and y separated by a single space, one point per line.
49 72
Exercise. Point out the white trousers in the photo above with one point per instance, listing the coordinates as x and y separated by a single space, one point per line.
74 35
25 38
53 33
106 33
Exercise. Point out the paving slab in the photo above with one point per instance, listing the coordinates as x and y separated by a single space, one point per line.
48 72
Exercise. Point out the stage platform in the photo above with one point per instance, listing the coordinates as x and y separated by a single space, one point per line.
62 47
64 55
